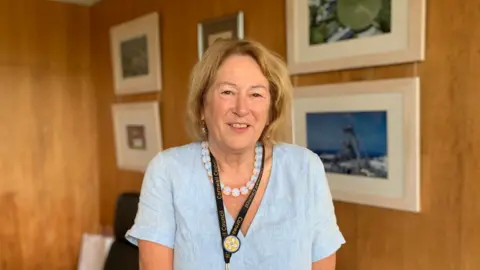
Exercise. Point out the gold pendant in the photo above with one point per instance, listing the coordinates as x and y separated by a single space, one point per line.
231 244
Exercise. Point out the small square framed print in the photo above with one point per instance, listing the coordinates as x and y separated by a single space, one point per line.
226 27
138 134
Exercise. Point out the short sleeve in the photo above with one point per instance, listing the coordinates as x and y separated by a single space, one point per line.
155 219
327 237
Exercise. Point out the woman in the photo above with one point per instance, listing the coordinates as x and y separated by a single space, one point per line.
237 198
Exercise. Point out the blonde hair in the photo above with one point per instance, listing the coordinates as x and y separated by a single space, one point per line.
274 69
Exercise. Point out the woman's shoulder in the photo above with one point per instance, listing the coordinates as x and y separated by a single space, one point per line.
295 160
176 156
295 154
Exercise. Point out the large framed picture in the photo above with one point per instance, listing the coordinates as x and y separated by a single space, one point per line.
138 134
136 56
367 135
226 27
326 35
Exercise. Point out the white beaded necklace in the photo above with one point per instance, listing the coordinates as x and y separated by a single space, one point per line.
235 192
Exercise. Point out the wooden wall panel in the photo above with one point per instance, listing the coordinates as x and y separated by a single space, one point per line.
445 236
48 163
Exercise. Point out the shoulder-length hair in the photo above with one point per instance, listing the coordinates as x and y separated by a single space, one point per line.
274 69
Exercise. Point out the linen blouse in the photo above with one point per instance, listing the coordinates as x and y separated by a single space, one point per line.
295 224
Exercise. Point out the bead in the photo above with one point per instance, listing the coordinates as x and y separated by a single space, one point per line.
226 189
244 190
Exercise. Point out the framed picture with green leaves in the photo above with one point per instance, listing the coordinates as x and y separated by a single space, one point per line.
326 35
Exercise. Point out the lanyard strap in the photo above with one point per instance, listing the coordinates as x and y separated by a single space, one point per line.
230 242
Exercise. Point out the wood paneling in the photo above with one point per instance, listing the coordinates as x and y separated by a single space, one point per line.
178 30
445 235
48 164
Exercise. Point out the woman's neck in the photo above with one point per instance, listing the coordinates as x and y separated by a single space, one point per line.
235 162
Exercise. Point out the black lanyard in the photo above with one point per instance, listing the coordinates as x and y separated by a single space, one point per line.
230 242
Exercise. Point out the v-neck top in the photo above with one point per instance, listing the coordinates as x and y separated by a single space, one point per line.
295 224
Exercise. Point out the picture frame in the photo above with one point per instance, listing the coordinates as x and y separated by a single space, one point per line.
137 134
367 135
337 34
136 56
229 27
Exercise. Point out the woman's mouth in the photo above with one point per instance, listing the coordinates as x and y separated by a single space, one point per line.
239 127
236 125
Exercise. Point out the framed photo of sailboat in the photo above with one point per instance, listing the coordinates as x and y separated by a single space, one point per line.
367 136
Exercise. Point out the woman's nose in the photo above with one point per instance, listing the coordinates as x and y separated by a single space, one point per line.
241 106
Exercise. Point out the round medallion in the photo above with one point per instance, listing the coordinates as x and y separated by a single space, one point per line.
231 244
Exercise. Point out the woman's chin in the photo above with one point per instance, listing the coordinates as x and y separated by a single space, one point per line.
238 143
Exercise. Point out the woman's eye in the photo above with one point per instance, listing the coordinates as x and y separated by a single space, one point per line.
227 92
257 95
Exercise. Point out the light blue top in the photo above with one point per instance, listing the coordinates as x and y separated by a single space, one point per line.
295 224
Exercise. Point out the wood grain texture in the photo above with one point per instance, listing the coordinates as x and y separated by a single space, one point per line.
446 235
48 163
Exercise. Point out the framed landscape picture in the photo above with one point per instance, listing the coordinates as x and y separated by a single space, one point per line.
136 57
226 27
138 134
367 136
326 35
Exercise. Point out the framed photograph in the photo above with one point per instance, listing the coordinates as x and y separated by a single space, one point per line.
138 134
227 27
326 35
136 56
367 135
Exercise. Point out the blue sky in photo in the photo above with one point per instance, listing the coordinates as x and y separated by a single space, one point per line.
324 131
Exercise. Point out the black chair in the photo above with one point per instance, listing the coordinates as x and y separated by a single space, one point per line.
123 255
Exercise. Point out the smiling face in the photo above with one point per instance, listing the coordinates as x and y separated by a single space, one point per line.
236 108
